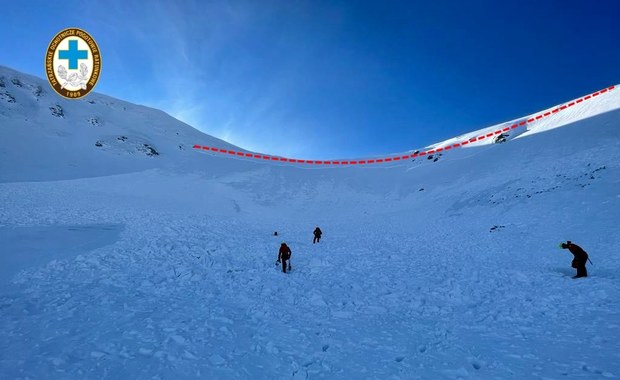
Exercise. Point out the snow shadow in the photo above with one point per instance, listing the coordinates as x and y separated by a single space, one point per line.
24 247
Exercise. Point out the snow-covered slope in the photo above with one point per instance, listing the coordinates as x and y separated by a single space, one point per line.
427 269
46 137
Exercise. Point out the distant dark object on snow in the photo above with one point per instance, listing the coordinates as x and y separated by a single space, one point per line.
414 153
496 228
501 138
149 150
275 233
99 144
434 157
57 111
7 97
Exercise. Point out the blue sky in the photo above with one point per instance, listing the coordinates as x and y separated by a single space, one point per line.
333 79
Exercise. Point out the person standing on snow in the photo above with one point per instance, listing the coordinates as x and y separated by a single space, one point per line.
579 262
284 254
317 235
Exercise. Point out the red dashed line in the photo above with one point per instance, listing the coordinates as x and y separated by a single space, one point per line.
420 154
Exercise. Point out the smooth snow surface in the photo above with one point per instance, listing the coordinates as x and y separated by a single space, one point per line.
427 269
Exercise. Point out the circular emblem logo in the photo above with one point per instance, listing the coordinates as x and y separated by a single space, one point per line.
73 63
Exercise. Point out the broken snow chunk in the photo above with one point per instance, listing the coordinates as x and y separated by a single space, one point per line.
217 359
178 339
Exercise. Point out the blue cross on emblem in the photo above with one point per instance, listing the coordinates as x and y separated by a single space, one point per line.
73 54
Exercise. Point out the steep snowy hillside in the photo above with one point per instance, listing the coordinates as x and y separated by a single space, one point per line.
46 137
427 269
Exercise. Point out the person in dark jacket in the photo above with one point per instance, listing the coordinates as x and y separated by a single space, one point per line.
284 255
317 235
581 257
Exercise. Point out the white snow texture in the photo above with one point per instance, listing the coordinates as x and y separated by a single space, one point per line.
126 254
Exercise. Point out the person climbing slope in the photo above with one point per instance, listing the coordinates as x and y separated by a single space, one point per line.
284 255
581 257
317 235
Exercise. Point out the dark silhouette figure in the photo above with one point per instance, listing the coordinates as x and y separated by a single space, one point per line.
275 233
581 257
317 235
284 255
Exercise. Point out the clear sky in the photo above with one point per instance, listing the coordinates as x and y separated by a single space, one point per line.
333 79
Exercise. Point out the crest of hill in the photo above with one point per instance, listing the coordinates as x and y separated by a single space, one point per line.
46 137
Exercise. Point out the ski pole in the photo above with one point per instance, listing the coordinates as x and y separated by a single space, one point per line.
590 261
